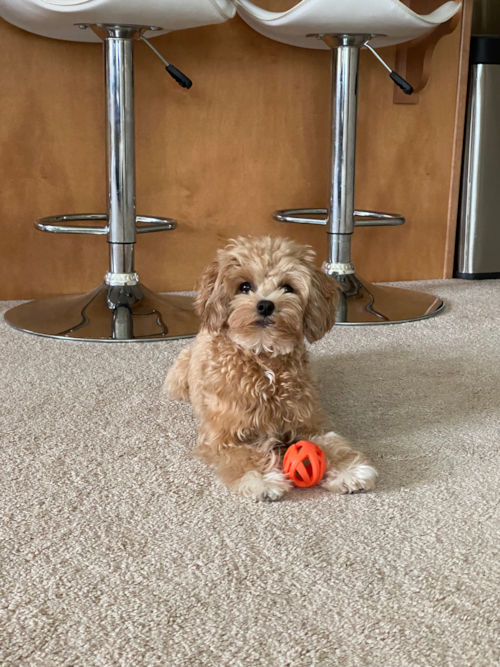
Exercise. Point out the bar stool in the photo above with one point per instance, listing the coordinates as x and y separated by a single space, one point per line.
122 308
344 27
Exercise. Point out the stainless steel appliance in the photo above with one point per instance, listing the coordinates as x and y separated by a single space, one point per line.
478 243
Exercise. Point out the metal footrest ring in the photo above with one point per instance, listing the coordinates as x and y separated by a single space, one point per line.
56 224
361 218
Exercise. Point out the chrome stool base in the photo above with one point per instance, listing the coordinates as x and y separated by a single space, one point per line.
362 303
127 313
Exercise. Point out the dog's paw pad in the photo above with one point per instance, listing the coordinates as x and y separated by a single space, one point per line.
359 477
267 486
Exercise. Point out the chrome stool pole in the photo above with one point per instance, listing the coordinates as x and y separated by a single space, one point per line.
118 47
360 302
121 309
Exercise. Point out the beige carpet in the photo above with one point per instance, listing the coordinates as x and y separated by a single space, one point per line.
117 549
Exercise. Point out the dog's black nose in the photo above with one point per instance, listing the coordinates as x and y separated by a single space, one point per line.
265 308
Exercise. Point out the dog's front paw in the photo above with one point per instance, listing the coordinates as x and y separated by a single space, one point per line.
265 486
353 478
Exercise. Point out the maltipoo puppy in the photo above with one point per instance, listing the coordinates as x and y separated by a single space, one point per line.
247 372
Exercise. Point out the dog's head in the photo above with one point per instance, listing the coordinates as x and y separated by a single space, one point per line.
266 294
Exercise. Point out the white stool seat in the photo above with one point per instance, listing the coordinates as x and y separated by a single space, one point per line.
394 21
57 18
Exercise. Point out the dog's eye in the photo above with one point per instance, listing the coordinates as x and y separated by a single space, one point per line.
287 289
245 288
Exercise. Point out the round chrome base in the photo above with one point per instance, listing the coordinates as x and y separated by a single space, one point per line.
108 315
362 303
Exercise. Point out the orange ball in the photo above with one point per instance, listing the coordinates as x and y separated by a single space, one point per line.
304 463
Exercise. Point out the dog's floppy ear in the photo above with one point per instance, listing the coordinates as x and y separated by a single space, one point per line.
211 302
319 316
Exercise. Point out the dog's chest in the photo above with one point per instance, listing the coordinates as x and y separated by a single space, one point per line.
266 381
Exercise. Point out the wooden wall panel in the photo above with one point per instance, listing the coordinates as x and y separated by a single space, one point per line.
251 135
458 139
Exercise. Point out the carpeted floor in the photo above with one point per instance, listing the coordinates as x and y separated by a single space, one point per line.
116 548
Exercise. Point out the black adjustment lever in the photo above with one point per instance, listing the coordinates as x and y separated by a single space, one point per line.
398 80
404 85
176 74
181 78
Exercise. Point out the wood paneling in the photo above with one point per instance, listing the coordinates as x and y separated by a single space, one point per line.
458 140
414 58
252 135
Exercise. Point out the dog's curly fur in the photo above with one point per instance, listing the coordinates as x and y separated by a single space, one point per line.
247 373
